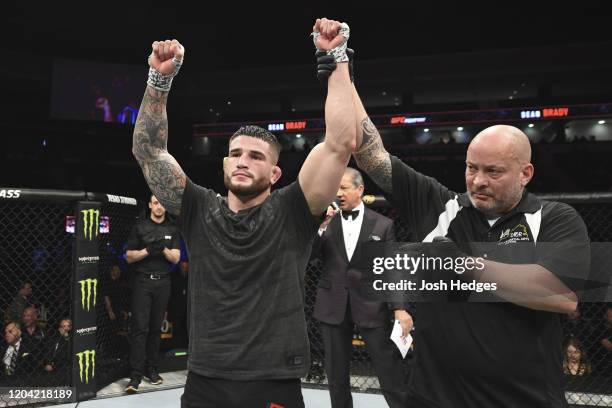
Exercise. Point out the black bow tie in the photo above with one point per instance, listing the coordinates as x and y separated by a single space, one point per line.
353 213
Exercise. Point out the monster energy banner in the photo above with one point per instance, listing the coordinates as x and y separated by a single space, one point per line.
85 298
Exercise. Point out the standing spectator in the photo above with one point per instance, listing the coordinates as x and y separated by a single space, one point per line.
20 302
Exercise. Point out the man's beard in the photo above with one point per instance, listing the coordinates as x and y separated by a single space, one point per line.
498 207
257 187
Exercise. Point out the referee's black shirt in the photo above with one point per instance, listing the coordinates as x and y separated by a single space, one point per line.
143 233
490 354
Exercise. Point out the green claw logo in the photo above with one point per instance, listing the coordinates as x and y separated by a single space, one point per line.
91 218
88 288
87 358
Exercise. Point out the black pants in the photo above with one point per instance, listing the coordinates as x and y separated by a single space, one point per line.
205 392
149 302
386 359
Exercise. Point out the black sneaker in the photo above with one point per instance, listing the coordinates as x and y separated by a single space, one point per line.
132 387
154 378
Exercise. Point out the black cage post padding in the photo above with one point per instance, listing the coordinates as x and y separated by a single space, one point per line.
85 278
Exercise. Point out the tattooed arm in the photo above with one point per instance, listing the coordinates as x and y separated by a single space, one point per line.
371 155
150 142
162 172
322 170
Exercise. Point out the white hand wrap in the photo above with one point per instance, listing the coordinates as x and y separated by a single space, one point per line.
163 82
339 53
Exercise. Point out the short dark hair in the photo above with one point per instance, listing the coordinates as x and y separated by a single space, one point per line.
258 133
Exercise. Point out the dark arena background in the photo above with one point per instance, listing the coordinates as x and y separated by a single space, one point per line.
431 77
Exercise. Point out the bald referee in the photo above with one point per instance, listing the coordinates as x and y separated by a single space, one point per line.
504 354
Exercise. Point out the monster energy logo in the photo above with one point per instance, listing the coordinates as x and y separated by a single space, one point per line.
88 287
91 219
87 358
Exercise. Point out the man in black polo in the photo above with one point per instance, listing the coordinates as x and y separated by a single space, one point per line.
153 247
495 354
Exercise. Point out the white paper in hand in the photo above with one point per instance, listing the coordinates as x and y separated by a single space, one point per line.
402 343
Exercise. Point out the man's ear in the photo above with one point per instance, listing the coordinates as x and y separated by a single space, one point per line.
527 174
276 174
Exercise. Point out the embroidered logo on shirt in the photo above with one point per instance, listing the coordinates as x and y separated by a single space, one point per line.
516 234
375 238
274 405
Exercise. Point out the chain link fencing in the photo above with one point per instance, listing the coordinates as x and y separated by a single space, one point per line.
37 251
36 260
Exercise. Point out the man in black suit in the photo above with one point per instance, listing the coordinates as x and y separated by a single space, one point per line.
340 305
16 358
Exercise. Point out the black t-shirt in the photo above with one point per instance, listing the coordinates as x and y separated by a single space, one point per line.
246 293
143 233
178 297
490 354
